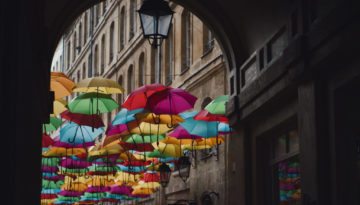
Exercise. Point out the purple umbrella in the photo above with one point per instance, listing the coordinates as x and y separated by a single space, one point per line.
170 101
67 145
70 193
70 163
115 129
182 133
122 190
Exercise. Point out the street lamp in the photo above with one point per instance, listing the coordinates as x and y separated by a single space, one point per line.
155 18
165 173
184 165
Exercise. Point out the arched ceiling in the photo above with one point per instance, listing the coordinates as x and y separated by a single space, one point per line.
240 26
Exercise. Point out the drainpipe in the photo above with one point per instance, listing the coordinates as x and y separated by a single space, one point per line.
91 41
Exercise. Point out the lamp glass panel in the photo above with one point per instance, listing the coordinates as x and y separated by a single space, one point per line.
149 24
164 24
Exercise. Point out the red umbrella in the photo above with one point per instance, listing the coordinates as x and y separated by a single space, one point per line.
205 115
47 141
141 147
93 120
138 97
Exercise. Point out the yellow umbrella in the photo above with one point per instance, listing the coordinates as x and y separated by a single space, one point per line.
98 84
61 85
100 181
143 185
126 177
143 191
203 143
150 129
173 140
58 107
159 119
61 151
171 150
47 201
74 186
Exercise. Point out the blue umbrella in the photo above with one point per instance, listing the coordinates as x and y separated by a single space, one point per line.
186 115
201 128
224 127
125 116
75 134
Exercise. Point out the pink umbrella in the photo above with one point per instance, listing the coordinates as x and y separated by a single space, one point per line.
117 129
173 102
70 163
182 133
67 145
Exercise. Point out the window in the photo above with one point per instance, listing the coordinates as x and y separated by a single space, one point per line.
285 169
185 44
78 76
74 47
208 40
83 71
111 43
169 55
80 36
68 55
141 70
96 61
97 14
61 63
132 18
130 81
122 28
102 54
85 26
89 66
120 96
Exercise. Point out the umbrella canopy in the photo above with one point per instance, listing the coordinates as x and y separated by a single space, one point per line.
217 106
53 125
207 116
159 119
47 141
150 129
138 97
224 128
137 139
125 116
171 150
59 107
90 103
76 134
170 101
181 133
93 120
61 85
98 84
200 128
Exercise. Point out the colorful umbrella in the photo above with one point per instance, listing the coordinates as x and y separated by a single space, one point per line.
61 85
138 97
92 103
93 120
76 134
200 128
217 106
170 101
125 116
98 84
59 107
207 116
53 125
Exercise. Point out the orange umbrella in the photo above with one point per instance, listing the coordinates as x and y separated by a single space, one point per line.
61 85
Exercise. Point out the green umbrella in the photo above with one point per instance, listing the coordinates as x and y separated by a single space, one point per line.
138 139
47 184
217 106
52 125
156 154
90 103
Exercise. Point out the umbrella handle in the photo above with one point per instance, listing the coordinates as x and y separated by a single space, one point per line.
73 140
86 176
152 114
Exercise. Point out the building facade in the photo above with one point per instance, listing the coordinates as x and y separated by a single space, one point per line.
106 40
